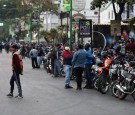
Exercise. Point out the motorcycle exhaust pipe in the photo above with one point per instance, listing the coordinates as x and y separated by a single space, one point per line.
120 88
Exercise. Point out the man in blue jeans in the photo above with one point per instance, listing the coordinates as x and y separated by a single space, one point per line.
88 65
67 59
57 61
16 69
78 62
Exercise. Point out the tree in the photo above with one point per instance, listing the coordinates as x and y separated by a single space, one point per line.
120 3
54 34
20 8
43 5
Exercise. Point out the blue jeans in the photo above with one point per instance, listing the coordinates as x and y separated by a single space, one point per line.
56 67
67 70
39 60
15 77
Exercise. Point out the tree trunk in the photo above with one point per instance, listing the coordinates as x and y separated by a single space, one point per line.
121 9
118 16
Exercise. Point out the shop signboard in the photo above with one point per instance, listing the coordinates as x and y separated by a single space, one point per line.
78 5
115 28
85 28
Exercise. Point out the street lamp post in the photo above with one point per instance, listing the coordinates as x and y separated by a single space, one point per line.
30 22
38 22
70 25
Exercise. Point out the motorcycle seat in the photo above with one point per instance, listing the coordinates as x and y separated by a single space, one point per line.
127 75
132 63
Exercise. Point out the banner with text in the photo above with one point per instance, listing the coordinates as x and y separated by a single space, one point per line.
85 28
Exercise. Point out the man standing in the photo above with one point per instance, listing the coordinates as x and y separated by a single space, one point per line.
40 56
88 65
1 47
67 59
78 63
16 67
57 59
33 54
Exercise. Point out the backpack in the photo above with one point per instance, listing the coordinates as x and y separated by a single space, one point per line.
20 63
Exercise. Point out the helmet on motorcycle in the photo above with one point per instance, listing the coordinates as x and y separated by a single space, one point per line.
104 54
110 52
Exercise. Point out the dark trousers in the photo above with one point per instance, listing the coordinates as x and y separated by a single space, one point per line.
78 73
15 77
88 75
34 62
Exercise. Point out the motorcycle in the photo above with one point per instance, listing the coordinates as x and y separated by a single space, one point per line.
96 72
125 85
105 80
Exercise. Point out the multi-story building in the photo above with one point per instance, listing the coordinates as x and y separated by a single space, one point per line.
49 19
107 13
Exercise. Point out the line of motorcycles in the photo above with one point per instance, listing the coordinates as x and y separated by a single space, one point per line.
111 71
115 72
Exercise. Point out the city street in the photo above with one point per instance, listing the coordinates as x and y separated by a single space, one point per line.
45 95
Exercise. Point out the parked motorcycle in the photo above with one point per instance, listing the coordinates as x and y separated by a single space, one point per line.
105 80
125 85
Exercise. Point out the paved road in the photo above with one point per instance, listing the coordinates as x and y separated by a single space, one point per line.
44 95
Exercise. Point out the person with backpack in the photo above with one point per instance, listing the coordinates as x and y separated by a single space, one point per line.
17 68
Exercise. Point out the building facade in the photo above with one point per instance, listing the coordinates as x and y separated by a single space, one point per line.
107 13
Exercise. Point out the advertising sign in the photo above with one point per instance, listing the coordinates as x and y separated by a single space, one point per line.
115 28
85 28
65 5
66 1
78 5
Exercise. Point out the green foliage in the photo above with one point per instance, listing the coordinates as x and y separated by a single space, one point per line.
54 33
98 4
11 9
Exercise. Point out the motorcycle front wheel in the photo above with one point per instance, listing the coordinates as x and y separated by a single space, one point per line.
121 95
103 85
95 83
114 89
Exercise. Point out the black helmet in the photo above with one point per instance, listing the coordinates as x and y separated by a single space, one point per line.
110 52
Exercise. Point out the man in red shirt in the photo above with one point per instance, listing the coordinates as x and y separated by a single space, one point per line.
16 68
67 58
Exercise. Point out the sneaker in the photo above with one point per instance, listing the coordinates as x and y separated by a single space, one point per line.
10 95
19 96
68 87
